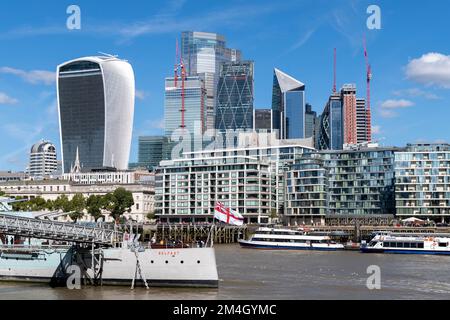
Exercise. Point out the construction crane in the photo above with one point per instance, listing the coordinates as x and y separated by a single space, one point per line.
180 70
369 79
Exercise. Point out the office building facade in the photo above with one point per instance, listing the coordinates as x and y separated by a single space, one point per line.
203 53
152 150
331 130
422 186
194 116
96 109
310 122
262 120
288 105
43 160
235 96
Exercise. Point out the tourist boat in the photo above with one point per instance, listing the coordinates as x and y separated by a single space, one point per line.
286 239
386 242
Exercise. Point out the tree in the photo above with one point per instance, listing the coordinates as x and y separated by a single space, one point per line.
118 202
37 204
151 215
62 203
2 194
77 204
94 205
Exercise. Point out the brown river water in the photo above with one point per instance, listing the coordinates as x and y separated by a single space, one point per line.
282 275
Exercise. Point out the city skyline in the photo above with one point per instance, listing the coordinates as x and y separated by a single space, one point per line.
411 75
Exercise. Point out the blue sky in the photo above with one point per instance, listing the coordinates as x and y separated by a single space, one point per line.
410 57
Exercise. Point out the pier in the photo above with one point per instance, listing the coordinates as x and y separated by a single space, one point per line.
190 233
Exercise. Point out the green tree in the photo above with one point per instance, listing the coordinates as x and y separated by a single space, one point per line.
118 202
20 206
94 205
62 203
2 194
37 204
151 215
77 206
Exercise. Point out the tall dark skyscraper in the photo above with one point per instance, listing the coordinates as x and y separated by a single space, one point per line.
310 122
235 96
344 120
96 109
331 132
288 105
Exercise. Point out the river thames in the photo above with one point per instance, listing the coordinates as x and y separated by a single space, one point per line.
283 275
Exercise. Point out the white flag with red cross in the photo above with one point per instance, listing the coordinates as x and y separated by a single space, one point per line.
228 215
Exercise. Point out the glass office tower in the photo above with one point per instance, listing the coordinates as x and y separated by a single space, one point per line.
288 105
203 53
331 131
235 97
96 109
194 115
152 150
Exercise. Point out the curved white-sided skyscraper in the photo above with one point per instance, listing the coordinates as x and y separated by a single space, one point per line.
96 110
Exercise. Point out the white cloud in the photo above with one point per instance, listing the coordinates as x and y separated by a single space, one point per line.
376 129
432 69
415 92
5 99
33 76
396 104
141 95
157 124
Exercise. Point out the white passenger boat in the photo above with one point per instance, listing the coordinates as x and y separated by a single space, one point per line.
386 242
286 239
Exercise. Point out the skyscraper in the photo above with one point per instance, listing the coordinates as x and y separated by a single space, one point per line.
310 122
344 121
42 159
356 126
235 96
331 131
363 132
96 109
203 53
348 93
194 103
152 151
288 105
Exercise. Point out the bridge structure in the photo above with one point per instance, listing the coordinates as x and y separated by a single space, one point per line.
58 231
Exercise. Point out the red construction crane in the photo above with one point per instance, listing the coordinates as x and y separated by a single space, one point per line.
369 79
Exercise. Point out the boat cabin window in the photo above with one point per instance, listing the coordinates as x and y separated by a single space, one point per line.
420 245
443 244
